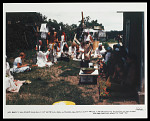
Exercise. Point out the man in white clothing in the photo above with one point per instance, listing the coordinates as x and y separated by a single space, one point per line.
18 66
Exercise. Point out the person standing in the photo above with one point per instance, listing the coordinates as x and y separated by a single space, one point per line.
118 39
52 38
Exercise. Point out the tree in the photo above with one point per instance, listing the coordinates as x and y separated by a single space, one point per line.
19 30
90 24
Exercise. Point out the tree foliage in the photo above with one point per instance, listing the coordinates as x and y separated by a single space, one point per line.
90 24
20 31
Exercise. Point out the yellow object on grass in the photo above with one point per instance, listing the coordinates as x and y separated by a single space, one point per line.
64 103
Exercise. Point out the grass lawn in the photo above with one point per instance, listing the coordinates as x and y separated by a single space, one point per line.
59 82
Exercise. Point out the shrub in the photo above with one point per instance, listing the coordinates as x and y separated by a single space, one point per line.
106 45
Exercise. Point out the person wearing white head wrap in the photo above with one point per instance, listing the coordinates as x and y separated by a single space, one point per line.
99 51
42 60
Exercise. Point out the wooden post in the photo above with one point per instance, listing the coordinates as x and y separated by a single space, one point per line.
82 20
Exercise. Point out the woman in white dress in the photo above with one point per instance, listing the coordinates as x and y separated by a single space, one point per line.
11 84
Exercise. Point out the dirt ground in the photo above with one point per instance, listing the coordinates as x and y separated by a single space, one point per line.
59 82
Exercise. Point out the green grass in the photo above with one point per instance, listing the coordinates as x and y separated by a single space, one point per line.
60 82
47 86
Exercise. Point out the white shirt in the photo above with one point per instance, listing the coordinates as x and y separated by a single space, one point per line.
16 61
99 52
72 51
107 56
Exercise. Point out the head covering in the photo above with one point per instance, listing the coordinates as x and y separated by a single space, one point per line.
118 45
109 48
117 49
99 44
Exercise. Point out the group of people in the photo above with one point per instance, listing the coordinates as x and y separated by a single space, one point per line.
115 64
120 69
48 51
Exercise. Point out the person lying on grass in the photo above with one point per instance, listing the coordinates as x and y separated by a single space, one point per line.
18 66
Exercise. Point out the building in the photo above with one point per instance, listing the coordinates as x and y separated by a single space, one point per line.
133 40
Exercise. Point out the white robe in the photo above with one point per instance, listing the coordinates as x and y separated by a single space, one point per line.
59 53
9 80
42 60
72 51
99 52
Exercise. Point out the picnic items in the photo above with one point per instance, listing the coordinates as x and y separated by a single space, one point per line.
88 70
27 82
64 103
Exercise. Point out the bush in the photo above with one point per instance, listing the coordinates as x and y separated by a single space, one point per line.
106 45
112 41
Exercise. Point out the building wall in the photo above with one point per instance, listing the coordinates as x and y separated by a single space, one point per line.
133 39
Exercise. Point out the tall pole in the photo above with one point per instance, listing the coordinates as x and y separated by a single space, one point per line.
82 20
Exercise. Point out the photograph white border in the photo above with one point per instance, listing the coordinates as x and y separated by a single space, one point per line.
77 111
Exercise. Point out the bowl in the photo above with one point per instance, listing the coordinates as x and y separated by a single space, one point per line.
88 70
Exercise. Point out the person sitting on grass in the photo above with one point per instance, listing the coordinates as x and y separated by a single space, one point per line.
58 50
72 50
65 53
80 51
18 66
42 59
99 51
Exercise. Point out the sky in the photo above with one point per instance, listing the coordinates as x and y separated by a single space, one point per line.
70 13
